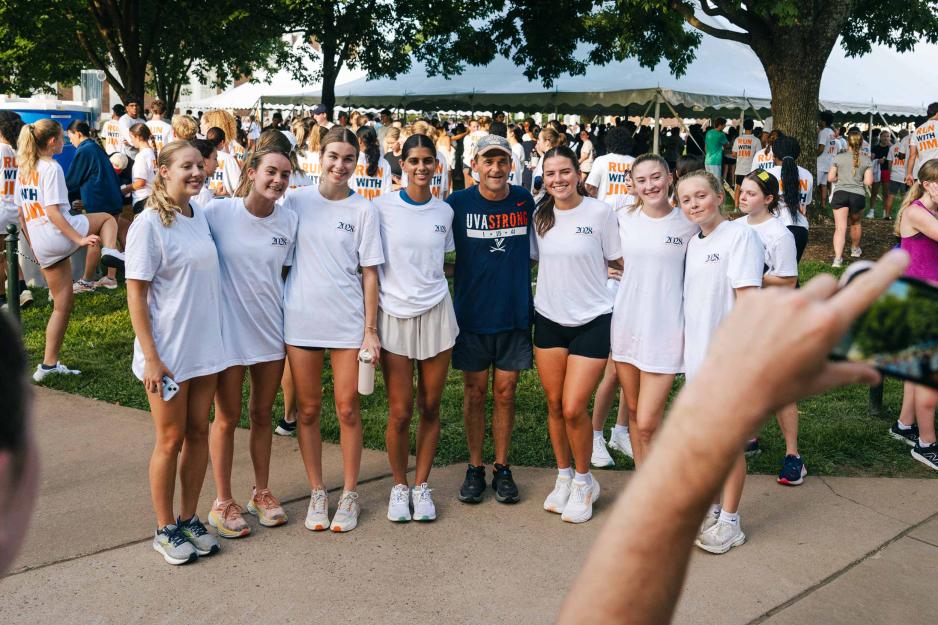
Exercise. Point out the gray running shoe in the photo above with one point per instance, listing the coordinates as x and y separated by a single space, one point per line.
205 543
173 546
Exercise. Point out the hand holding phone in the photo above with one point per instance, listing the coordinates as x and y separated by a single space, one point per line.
170 388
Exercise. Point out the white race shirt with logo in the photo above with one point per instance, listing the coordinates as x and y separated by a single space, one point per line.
572 270
925 140
781 254
125 123
763 160
612 176
227 175
324 304
144 169
252 252
826 138
731 257
805 193
370 187
8 212
162 133
37 193
745 147
439 183
184 298
414 240
111 136
310 165
648 318
897 170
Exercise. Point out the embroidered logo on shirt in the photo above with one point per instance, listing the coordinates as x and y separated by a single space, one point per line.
584 230
439 228
280 241
712 258
346 227
669 240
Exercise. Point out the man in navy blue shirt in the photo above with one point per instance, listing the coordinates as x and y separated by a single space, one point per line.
494 308
92 178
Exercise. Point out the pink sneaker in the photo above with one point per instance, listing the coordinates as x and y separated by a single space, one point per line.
266 508
225 516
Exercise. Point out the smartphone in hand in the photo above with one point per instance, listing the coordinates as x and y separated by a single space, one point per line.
898 335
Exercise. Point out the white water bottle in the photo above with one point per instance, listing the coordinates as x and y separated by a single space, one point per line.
366 372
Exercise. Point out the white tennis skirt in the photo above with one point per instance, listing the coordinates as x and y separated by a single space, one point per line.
420 337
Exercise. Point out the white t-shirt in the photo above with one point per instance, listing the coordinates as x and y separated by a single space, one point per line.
184 299
254 132
731 257
745 147
925 140
125 123
324 304
252 252
370 187
41 191
414 240
571 276
144 169
841 145
648 318
111 135
590 152
806 184
204 197
162 133
763 160
439 183
227 175
612 176
826 138
310 165
781 255
8 211
897 170
469 144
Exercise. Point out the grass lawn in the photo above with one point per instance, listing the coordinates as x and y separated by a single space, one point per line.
837 435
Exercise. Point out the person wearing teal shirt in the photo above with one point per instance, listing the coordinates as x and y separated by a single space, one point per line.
715 140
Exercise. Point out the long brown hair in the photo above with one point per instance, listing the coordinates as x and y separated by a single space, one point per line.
253 161
544 218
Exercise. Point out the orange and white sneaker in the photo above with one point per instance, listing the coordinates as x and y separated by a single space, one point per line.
346 513
225 517
266 508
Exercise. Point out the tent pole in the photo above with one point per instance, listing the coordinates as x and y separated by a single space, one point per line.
261 120
756 111
657 141
681 120
871 131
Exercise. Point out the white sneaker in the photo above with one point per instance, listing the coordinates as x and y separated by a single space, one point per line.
346 513
558 497
709 521
601 458
111 257
424 510
838 262
855 252
579 508
399 505
870 214
26 298
41 373
317 515
721 537
80 286
621 442
106 282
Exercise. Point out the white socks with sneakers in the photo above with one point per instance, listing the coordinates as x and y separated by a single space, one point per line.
567 473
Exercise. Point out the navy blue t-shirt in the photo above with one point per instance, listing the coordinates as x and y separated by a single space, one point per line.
492 282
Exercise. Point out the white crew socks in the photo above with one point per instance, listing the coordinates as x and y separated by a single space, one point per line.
620 429
729 517
902 426
715 510
922 443
583 478
567 473
597 434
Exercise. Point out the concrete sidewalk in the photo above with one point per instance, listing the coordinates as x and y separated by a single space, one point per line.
835 550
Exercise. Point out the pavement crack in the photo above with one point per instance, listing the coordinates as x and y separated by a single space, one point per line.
915 538
854 501
138 541
841 572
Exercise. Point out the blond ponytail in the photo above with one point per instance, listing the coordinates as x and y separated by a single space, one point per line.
159 200
32 141
928 172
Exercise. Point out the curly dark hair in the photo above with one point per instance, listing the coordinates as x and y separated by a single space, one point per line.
10 125
618 140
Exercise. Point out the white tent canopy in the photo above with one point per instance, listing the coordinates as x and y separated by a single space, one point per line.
724 78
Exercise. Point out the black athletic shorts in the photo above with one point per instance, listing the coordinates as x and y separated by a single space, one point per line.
508 351
739 180
853 201
139 205
897 186
590 340
801 239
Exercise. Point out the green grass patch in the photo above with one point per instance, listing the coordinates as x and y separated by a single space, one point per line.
837 435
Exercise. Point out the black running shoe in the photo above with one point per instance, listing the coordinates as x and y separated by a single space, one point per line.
506 491
793 471
926 455
473 486
752 447
909 436
285 428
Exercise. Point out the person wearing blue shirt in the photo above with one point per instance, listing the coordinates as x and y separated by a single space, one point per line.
494 308
91 178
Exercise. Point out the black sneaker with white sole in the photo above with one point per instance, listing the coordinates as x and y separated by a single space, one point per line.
926 455
285 428
506 491
909 436
473 486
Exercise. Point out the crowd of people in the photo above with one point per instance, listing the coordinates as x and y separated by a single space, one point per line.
251 251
